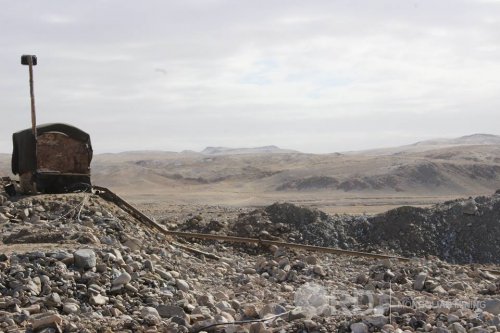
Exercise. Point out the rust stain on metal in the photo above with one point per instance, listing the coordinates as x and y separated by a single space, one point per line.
59 153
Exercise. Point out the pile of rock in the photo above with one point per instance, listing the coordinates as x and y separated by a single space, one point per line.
459 231
167 289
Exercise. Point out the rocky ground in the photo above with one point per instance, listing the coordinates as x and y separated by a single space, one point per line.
75 263
460 231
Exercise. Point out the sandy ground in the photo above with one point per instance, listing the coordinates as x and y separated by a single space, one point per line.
329 203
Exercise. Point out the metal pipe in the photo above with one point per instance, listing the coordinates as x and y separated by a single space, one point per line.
32 95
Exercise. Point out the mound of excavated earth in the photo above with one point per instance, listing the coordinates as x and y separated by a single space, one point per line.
460 231
75 263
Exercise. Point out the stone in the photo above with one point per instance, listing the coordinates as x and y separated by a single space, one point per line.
168 311
249 270
458 328
469 207
70 308
235 304
25 213
311 260
98 300
271 309
206 300
359 328
44 320
133 244
258 328
318 270
492 288
115 312
479 330
224 306
84 258
175 274
420 281
273 248
53 300
492 306
182 285
148 265
362 279
202 310
164 274
130 288
3 218
149 311
487 275
101 268
298 313
250 311
439 290
377 320
122 279
35 288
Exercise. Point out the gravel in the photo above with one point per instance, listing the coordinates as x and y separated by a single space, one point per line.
86 266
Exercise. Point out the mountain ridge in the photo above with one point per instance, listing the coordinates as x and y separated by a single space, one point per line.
476 138
271 149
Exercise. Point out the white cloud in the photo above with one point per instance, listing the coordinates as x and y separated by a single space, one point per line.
309 75
57 19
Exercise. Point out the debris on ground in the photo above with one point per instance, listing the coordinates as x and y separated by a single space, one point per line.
76 263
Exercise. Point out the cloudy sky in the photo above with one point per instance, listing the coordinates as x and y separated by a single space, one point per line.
317 76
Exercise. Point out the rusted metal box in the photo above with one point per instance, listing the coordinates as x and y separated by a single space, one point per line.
58 161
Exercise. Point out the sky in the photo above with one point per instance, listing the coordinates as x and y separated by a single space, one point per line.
318 76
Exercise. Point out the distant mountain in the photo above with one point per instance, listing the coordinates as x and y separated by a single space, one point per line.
241 151
433 144
474 139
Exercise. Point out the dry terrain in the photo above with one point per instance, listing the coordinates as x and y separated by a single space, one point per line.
77 263
353 182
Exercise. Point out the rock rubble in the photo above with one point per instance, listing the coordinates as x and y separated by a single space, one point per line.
459 231
83 265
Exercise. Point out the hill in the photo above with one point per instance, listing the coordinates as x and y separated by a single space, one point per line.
422 146
417 174
239 151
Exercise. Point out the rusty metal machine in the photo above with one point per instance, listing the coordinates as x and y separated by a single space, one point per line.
50 158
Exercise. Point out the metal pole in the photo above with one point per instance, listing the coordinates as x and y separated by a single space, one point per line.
32 95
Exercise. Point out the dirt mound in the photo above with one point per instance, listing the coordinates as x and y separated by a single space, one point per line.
292 223
460 231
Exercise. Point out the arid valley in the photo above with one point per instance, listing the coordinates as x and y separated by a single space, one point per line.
395 243
354 182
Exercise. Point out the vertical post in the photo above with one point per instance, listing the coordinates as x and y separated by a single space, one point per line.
27 179
30 61
32 95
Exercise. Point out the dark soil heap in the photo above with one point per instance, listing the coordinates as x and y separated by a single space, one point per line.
460 231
